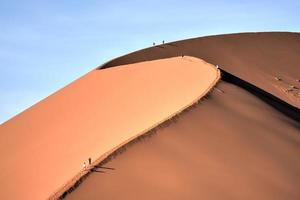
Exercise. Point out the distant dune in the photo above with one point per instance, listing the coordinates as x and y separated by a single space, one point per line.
269 61
43 149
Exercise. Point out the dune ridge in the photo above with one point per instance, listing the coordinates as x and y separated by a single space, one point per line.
273 80
252 153
260 58
74 182
290 111
90 118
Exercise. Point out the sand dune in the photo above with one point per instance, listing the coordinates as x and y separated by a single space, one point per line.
44 147
231 146
269 61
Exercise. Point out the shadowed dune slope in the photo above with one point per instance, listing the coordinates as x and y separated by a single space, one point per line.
280 105
44 147
231 146
268 60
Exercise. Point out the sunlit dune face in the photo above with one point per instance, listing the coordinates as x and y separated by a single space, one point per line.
231 146
46 145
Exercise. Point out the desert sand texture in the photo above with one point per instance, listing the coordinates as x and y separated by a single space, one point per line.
268 60
44 147
229 146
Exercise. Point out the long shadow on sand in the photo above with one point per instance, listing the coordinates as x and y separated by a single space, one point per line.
95 170
270 99
101 167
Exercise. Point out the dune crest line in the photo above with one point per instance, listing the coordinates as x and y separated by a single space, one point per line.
247 61
240 54
92 117
74 183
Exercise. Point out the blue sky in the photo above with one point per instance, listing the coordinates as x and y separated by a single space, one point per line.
45 45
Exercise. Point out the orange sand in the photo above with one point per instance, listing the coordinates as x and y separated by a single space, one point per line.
45 146
231 146
254 57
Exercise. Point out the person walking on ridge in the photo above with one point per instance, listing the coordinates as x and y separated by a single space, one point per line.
84 166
